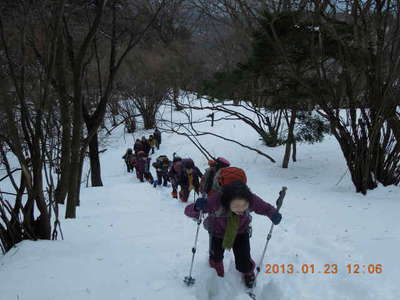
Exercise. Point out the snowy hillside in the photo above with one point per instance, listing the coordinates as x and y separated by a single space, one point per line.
132 241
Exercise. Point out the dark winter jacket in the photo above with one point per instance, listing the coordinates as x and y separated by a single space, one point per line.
129 158
146 146
174 173
216 221
183 179
142 164
161 166
138 147
157 135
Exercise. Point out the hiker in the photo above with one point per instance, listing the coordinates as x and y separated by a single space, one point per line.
146 145
162 165
228 221
207 181
189 179
130 160
157 137
138 146
173 175
142 166
152 143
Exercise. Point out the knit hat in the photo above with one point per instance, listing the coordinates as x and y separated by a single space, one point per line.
176 158
231 174
188 163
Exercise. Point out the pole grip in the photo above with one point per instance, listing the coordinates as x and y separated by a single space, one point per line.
282 194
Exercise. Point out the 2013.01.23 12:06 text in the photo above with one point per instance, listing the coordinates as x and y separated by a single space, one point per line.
325 269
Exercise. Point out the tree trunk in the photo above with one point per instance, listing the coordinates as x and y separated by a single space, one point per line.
290 139
95 170
28 218
74 182
270 138
42 225
357 158
149 120
62 184
286 157
81 162
93 144
294 155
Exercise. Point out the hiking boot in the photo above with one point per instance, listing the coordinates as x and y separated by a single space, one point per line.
182 197
174 195
249 279
218 266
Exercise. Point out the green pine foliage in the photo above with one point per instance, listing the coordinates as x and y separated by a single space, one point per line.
266 65
311 128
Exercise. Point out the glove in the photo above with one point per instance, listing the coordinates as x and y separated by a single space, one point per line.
276 218
200 204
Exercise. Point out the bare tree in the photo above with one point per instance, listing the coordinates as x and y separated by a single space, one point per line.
188 129
55 65
352 52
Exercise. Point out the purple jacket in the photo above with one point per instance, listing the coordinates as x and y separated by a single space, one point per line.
216 221
142 165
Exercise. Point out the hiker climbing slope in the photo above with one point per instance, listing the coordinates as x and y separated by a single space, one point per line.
189 179
229 219
207 181
130 160
162 165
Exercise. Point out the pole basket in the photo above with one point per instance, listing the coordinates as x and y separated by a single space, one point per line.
189 280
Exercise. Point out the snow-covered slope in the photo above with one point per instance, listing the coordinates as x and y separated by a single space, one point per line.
131 241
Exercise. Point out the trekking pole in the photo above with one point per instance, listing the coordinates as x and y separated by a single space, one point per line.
194 196
279 202
189 280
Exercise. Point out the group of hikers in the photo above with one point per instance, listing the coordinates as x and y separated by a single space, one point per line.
138 159
225 197
178 171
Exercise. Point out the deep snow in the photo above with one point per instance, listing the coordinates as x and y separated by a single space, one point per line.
131 241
